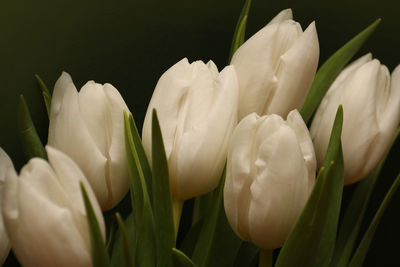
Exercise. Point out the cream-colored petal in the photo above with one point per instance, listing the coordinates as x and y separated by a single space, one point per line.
118 165
285 14
295 73
68 133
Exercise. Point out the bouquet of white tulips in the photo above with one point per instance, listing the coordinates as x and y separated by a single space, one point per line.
240 167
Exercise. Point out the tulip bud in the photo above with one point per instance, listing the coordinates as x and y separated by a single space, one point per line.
276 66
197 110
270 174
371 114
45 215
5 164
89 127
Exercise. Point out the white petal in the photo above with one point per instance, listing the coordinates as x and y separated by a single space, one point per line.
5 166
118 165
238 175
295 73
285 14
68 133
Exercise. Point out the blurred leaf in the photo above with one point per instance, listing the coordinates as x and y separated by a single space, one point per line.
361 252
162 203
189 242
311 240
216 242
46 94
118 250
125 242
202 205
240 31
142 210
180 259
328 72
112 229
246 255
29 138
99 252
353 217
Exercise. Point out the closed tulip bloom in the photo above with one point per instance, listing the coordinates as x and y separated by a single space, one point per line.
45 215
270 174
371 114
5 164
276 66
89 127
197 110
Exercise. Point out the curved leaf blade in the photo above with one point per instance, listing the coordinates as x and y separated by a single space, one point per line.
331 69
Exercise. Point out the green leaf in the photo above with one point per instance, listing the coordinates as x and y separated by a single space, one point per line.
246 255
361 252
46 94
202 205
180 259
29 138
144 163
162 203
128 259
331 69
240 31
311 240
99 252
216 242
117 258
145 246
354 214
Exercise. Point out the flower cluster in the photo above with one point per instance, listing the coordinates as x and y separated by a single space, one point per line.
244 117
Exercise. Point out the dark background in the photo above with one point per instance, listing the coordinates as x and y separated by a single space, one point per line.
131 43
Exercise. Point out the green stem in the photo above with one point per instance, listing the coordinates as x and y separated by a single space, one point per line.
177 205
266 258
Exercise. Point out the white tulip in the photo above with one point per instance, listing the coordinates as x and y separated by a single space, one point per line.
197 110
276 66
371 115
5 164
270 174
45 215
89 127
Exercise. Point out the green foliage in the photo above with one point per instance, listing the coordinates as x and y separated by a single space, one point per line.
240 31
29 138
331 69
45 93
99 252
311 241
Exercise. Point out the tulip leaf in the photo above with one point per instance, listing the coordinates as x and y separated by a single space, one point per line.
142 210
99 252
46 94
180 259
354 214
29 138
216 242
202 205
117 258
162 201
328 72
125 242
240 31
361 252
246 255
311 240
144 163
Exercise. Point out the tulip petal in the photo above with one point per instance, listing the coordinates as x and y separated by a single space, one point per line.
276 197
5 165
197 157
68 133
285 14
295 73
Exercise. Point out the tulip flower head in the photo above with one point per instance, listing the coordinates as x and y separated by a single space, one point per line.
45 215
276 66
270 174
89 127
371 114
5 164
197 110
